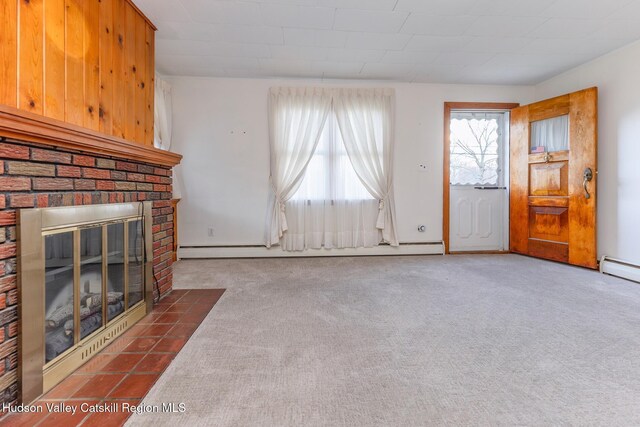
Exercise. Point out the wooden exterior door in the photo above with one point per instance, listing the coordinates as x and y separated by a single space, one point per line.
553 184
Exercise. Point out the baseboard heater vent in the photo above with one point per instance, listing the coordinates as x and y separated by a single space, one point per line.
619 268
258 251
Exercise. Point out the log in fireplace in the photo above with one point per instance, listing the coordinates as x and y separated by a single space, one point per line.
85 277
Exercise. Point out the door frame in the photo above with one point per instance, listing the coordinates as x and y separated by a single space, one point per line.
446 190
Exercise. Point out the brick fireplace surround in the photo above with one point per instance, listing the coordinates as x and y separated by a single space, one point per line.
38 176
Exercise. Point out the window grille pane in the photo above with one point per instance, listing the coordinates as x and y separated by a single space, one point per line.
475 149
330 174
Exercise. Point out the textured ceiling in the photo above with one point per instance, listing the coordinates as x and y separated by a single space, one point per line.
438 41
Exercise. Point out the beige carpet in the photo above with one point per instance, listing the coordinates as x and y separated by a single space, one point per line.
404 341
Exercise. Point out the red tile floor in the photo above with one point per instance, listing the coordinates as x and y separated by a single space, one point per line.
124 372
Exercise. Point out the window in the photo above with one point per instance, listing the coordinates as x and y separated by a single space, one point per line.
331 208
550 135
477 148
330 174
319 138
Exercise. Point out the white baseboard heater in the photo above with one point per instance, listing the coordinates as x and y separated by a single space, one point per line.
620 268
257 251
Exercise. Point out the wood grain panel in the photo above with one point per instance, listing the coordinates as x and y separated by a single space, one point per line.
562 202
139 12
141 77
31 46
91 64
54 59
74 42
549 223
119 70
518 185
9 52
556 156
85 62
549 250
549 108
548 179
106 66
583 134
150 87
129 94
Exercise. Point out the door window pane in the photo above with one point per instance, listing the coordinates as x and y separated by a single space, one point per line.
59 307
550 134
476 148
90 280
115 270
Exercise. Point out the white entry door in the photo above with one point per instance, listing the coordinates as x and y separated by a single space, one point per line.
478 193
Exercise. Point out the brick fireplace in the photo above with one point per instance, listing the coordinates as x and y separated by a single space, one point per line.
39 175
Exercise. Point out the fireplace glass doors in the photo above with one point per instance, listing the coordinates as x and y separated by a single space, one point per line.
75 307
59 294
91 260
85 277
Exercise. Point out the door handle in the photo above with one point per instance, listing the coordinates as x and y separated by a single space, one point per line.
547 157
586 177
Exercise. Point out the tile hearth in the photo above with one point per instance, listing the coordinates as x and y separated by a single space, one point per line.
126 370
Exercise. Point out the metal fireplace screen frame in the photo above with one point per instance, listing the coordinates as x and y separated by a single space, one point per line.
37 375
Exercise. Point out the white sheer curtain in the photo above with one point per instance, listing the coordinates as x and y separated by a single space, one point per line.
366 120
331 208
553 133
162 114
296 119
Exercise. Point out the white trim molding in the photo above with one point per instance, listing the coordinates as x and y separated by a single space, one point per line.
194 252
620 268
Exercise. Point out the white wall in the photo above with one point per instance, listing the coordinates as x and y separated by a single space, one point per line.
617 76
220 126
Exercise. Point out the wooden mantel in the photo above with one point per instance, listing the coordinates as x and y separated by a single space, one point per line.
29 127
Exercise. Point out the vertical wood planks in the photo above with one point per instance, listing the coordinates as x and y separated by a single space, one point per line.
150 87
85 62
54 59
141 75
130 71
519 181
74 42
31 49
106 66
583 137
119 70
9 52
91 64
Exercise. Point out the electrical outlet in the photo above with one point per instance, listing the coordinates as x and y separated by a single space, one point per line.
422 167
210 231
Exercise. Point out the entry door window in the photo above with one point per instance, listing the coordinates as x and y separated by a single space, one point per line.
550 135
477 148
